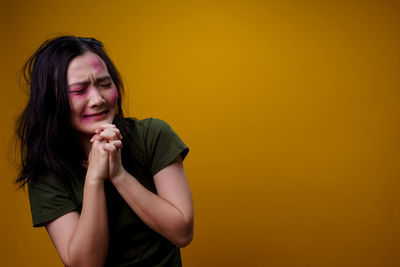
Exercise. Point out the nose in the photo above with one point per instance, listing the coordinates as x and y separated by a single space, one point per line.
95 97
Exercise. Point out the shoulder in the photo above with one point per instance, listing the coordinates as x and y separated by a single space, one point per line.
145 123
154 141
147 126
48 179
50 197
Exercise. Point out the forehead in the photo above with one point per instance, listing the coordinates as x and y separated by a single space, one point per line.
86 66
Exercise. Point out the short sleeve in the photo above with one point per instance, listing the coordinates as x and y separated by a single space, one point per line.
49 199
163 145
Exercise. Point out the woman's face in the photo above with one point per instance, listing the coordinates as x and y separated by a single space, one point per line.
92 94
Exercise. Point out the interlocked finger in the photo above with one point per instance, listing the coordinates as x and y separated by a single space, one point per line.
113 146
109 134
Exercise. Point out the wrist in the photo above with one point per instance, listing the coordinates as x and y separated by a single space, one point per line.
94 181
95 176
119 177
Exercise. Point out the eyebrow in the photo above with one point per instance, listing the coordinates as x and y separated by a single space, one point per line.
97 81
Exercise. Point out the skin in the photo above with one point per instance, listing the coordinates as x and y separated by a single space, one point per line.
82 239
92 95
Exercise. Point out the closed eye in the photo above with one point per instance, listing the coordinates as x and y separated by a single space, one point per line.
79 91
105 85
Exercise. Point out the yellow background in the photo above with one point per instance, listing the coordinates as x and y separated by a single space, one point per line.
290 108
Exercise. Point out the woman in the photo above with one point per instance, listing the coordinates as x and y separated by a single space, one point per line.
110 190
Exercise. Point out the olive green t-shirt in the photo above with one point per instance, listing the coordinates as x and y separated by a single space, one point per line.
148 146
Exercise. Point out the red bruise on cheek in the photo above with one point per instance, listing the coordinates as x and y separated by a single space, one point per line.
75 96
113 95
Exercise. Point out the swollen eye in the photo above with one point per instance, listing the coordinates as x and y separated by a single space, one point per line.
78 91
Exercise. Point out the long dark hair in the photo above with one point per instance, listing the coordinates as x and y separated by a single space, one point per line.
46 140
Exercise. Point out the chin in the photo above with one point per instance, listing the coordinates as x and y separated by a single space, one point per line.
89 128
94 125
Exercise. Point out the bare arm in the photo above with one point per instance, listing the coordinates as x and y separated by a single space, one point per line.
82 240
170 213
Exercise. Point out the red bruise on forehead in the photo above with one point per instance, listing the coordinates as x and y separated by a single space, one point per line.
97 63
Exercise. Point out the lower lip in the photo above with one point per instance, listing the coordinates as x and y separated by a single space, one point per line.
95 117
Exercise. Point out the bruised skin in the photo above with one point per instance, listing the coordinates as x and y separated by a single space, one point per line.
93 95
96 63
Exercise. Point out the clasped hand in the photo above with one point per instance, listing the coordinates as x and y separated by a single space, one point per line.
105 154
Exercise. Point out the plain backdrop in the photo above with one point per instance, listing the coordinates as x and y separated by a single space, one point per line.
290 109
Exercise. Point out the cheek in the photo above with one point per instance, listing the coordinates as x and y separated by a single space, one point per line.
113 95
75 102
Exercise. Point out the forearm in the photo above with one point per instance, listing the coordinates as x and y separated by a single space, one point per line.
89 243
159 214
